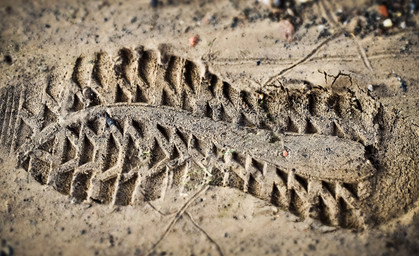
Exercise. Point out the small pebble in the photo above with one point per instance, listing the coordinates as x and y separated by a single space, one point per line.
412 8
387 23
194 40
8 59
265 2
382 9
320 28
234 22
290 12
276 3
271 3
286 30
109 120
154 3
403 85
284 153
370 88
326 229
311 247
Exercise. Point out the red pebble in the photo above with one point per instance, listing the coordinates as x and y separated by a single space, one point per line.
382 9
193 40
286 30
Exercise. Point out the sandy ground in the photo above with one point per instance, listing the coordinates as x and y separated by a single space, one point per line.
239 41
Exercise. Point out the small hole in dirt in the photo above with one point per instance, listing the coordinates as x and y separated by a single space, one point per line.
9 10
8 59
370 153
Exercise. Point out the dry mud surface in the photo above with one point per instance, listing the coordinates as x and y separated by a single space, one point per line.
120 138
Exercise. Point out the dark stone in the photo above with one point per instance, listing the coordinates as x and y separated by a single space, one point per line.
8 59
154 3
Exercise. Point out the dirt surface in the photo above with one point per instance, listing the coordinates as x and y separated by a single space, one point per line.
209 127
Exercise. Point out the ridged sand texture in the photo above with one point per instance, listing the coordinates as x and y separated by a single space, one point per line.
133 126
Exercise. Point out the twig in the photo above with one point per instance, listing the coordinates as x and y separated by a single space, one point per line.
205 233
304 59
177 217
335 23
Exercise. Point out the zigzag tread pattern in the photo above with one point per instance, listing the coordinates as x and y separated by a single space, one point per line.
142 76
100 154
132 164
